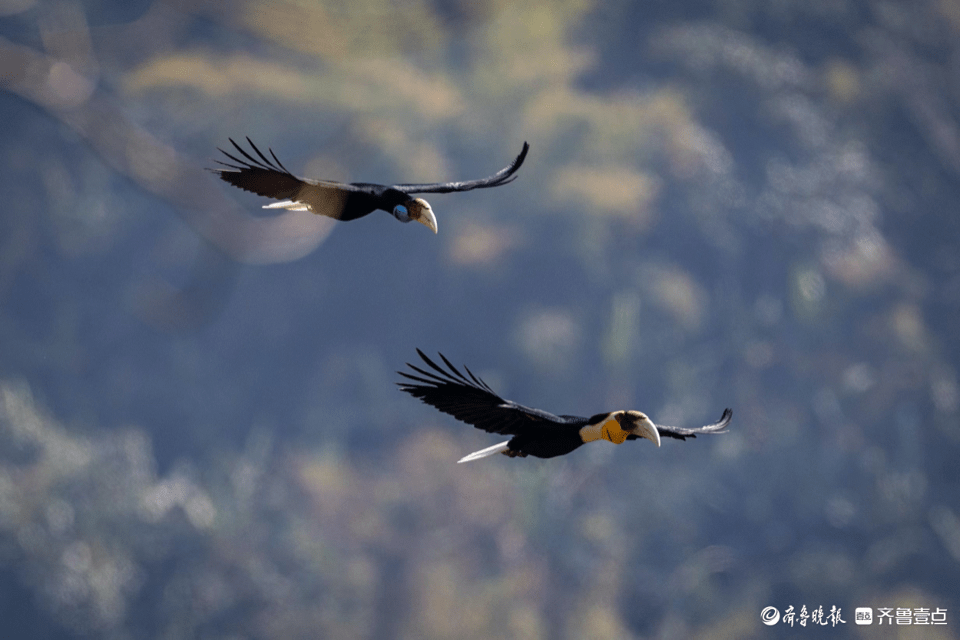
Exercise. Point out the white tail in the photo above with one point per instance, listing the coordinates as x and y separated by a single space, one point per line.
287 204
489 451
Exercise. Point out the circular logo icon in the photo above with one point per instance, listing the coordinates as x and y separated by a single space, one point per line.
770 616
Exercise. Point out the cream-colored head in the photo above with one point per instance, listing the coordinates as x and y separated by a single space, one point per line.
419 209
637 423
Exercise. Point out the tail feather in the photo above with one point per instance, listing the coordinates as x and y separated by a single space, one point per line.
489 451
287 204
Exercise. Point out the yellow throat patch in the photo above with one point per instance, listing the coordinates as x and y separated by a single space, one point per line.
611 431
608 430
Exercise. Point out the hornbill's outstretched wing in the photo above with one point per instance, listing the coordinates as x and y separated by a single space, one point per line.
502 177
682 434
471 400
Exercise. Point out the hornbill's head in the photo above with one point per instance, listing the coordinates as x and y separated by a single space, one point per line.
637 423
416 209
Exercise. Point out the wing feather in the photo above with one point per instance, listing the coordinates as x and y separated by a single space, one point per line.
502 177
682 434
471 400
268 177
261 177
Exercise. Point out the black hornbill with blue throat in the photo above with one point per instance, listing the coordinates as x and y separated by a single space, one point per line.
344 201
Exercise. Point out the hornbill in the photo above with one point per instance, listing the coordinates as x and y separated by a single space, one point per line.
535 432
341 201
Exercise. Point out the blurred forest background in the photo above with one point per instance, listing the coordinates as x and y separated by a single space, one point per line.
743 203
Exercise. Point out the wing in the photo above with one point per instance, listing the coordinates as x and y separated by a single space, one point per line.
262 177
682 434
268 177
502 177
470 400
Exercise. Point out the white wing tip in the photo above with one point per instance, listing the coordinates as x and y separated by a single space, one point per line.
489 451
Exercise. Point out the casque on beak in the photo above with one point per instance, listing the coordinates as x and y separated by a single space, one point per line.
638 424
421 212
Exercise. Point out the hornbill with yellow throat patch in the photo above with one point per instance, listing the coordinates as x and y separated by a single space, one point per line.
535 432
343 201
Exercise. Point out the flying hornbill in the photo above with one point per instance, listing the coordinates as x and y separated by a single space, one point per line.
342 201
535 432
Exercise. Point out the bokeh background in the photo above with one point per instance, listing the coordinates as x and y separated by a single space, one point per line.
737 203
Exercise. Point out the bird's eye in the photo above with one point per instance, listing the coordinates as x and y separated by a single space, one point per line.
400 210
